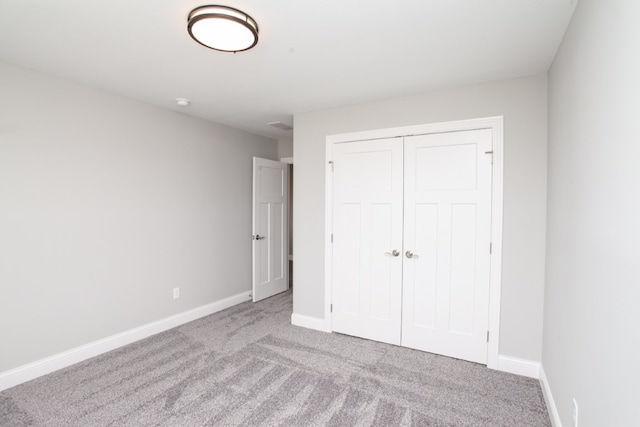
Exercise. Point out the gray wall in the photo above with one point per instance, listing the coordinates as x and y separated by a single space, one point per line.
285 147
106 204
523 103
591 344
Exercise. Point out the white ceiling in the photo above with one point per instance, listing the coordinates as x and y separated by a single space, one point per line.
311 54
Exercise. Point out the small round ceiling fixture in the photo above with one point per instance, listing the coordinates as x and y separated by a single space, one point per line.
223 28
183 102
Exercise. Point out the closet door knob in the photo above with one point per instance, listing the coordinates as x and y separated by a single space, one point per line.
410 254
393 253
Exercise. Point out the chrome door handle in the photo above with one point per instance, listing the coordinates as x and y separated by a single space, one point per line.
410 254
393 253
258 237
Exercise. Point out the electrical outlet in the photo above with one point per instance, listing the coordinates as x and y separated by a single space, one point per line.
575 413
176 293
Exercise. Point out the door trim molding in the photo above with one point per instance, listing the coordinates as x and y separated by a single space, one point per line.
495 282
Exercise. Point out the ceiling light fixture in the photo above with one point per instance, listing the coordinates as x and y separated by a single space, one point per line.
223 28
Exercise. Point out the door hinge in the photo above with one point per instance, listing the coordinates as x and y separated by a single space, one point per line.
487 336
331 163
490 247
490 152
331 237
331 308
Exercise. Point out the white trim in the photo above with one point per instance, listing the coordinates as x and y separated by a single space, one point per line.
328 231
548 399
288 160
58 361
495 285
455 126
514 365
310 322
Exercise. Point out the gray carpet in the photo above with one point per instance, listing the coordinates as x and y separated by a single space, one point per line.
248 366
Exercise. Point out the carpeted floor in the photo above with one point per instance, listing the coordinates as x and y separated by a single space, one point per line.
248 366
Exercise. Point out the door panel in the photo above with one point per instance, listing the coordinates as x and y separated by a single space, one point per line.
445 167
424 303
346 274
367 218
270 226
381 280
462 290
262 254
447 225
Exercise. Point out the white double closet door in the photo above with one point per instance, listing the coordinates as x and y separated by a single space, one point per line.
411 241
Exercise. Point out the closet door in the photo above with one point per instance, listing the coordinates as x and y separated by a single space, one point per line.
367 239
447 217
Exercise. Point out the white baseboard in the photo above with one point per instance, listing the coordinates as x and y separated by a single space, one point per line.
523 367
50 364
548 398
310 322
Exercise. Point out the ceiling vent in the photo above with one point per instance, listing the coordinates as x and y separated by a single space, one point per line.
281 125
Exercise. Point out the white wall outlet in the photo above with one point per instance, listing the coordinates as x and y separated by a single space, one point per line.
176 293
575 413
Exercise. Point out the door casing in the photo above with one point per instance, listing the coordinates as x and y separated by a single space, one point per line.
495 282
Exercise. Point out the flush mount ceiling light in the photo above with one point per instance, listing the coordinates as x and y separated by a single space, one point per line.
223 28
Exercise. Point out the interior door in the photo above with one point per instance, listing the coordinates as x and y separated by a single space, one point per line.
270 228
367 239
447 224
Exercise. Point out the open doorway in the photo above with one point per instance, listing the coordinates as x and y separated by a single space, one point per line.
285 154
291 226
289 161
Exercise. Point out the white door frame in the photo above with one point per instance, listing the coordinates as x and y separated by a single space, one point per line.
495 282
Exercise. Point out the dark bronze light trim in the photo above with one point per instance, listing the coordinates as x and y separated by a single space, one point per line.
217 12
